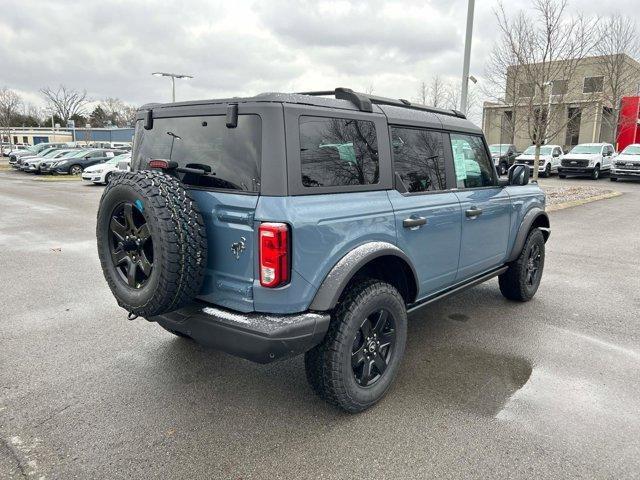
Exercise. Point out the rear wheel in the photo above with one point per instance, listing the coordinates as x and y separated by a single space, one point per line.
522 279
358 360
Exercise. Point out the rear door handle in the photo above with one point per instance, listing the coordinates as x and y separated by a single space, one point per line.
474 212
414 222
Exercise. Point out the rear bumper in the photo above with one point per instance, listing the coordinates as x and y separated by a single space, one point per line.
258 337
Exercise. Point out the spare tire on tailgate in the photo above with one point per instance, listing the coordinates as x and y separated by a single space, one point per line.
151 241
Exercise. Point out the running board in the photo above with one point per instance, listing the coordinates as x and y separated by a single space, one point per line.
457 288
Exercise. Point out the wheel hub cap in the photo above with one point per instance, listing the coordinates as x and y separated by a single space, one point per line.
131 245
373 347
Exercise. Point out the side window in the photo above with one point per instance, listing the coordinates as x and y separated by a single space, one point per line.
472 164
418 159
338 152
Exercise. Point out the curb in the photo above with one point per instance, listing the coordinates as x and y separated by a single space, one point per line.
582 201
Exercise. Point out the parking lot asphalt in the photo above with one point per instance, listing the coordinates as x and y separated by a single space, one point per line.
488 388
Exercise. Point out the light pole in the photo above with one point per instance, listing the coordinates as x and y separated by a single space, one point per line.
467 57
173 81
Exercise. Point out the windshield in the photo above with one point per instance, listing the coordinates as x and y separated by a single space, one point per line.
222 157
546 150
117 159
632 150
501 148
586 149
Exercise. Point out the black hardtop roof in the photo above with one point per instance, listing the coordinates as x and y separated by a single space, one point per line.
397 111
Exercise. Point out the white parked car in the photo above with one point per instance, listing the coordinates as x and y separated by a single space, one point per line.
16 148
102 172
627 163
590 159
550 158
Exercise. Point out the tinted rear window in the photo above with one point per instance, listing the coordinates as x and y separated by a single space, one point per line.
231 156
338 152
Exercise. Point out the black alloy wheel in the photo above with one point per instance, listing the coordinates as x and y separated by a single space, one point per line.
373 347
131 245
533 265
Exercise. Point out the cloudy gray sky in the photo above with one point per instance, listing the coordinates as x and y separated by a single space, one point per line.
110 47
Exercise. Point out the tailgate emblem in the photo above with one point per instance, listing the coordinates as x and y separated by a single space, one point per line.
238 247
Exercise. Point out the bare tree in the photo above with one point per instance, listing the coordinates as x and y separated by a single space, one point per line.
617 36
452 98
422 93
499 86
548 47
10 103
66 102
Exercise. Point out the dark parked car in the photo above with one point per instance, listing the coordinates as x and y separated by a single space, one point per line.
503 155
76 164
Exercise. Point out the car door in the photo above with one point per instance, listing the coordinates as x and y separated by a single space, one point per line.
427 212
607 157
485 207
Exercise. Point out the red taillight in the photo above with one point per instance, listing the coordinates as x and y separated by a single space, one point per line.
162 164
274 254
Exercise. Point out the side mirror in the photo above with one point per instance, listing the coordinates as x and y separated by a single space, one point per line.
519 175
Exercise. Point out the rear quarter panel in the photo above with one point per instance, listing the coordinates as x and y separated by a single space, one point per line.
324 228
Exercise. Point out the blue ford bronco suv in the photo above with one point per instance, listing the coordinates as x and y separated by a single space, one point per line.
313 223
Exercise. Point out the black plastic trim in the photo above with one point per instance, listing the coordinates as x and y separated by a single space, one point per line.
523 231
457 288
338 278
259 337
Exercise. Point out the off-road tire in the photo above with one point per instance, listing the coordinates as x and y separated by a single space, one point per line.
179 242
328 365
513 282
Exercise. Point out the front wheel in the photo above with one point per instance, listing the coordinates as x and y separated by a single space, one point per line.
547 171
521 280
75 170
359 357
595 175
613 179
504 168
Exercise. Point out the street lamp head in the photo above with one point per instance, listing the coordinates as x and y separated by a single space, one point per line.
174 75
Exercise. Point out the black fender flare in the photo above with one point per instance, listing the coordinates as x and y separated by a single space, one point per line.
535 215
337 279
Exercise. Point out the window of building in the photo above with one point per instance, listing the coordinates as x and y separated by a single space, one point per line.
25 139
507 127
574 117
338 152
473 166
593 85
526 89
559 87
418 159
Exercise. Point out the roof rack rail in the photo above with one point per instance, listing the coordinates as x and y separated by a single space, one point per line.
365 102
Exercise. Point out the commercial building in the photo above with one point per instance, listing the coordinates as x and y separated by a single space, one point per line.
34 135
581 106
